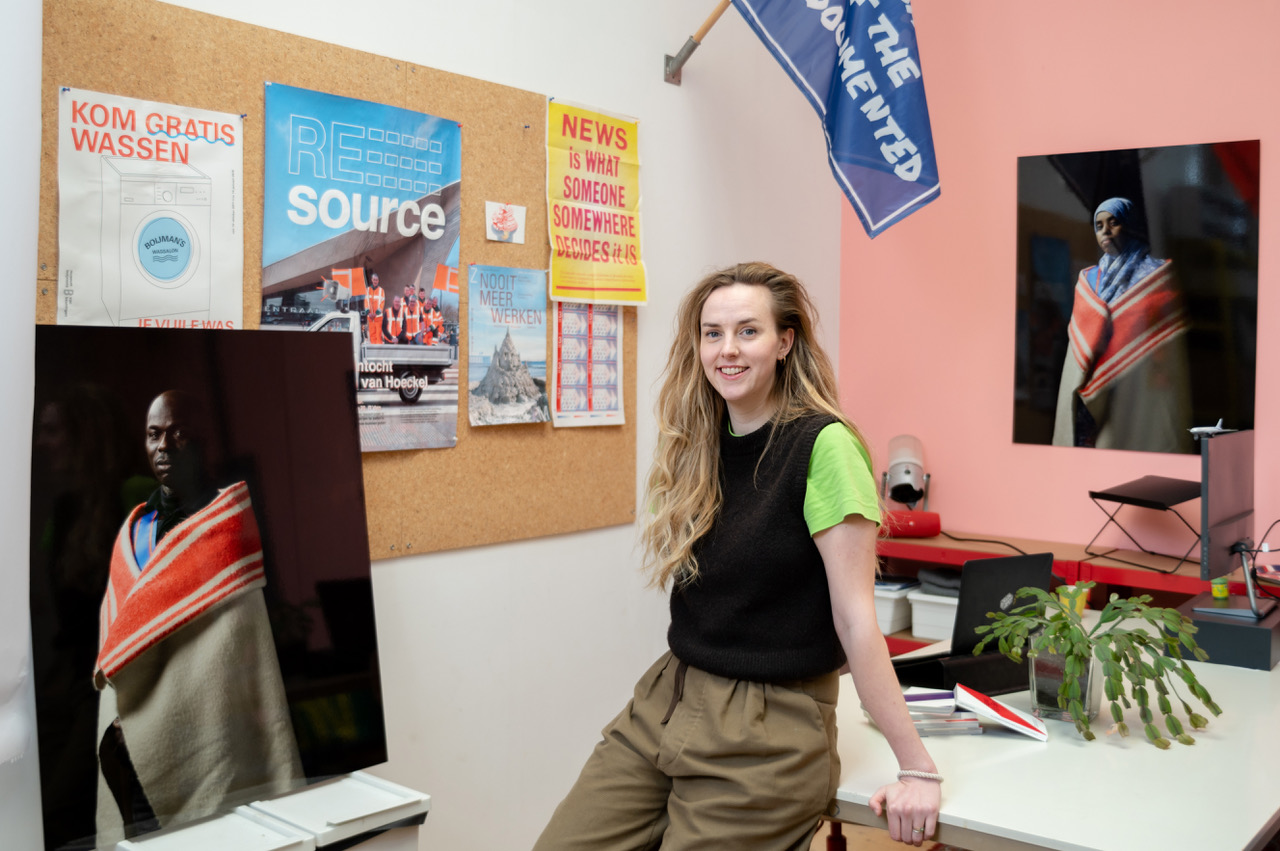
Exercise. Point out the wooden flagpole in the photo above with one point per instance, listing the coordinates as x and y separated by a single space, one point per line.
672 65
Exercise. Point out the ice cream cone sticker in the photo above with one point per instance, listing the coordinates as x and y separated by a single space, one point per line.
505 222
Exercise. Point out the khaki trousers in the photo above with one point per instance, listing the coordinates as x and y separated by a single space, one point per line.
738 765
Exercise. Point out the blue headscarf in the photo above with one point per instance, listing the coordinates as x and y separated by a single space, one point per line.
1121 208
1133 263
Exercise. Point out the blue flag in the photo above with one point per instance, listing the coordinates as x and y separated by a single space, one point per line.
857 63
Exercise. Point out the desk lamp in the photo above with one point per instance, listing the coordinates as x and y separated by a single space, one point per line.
907 483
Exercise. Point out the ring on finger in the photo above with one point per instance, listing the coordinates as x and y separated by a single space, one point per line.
917 830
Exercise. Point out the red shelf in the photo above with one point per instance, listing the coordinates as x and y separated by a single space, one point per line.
1148 580
1070 561
948 551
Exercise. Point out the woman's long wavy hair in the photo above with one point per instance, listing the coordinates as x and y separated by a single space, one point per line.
683 492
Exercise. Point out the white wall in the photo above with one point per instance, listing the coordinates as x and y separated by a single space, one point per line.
501 664
19 187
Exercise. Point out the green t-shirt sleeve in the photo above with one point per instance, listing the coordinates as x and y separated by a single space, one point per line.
840 481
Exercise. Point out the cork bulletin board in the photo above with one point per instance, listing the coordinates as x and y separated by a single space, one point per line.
500 483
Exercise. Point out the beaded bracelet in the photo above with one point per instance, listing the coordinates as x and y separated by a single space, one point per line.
923 775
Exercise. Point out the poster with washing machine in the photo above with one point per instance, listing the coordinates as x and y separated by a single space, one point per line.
361 214
150 230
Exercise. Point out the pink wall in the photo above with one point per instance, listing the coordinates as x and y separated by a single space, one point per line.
927 309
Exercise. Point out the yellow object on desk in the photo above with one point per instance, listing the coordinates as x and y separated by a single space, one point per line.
1064 597
1218 587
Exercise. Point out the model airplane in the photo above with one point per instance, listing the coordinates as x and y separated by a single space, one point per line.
1209 431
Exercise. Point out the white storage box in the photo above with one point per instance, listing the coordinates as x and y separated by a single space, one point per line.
932 617
893 611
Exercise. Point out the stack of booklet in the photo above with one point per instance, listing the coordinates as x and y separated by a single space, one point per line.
960 713
935 714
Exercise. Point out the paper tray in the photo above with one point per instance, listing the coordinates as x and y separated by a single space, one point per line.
242 829
346 807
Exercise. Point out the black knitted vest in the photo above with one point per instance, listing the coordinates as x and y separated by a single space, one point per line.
759 608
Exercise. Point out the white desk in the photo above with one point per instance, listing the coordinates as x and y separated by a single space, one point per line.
1004 790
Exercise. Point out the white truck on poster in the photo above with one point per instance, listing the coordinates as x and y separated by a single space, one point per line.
404 369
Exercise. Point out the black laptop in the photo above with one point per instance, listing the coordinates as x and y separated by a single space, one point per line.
986 585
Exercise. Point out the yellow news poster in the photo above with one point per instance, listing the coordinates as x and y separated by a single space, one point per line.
593 207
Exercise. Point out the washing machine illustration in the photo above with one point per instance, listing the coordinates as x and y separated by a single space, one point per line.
155 238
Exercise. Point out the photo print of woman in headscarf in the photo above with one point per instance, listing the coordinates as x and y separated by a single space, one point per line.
1136 295
1125 380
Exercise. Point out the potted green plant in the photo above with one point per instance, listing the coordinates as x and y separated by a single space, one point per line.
1138 648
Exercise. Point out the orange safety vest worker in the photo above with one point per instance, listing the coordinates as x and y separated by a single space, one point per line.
412 320
394 324
376 300
422 318
436 320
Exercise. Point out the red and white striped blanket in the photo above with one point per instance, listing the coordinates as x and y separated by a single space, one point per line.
213 556
1108 341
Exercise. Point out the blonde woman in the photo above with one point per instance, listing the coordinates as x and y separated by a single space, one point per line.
763 527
